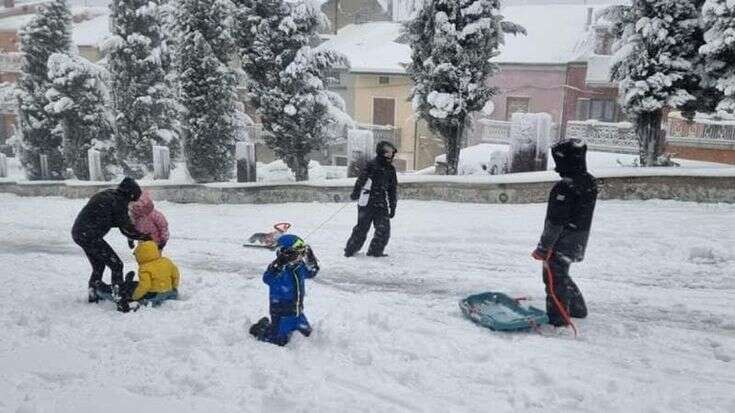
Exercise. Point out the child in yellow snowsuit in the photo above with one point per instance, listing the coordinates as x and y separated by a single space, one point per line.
158 279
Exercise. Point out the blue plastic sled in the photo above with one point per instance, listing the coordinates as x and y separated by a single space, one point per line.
499 312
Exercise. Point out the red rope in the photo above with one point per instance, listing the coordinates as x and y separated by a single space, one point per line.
557 303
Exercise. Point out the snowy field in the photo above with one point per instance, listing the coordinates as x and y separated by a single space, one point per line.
659 280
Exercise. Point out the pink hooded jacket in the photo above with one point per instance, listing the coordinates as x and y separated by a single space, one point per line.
148 220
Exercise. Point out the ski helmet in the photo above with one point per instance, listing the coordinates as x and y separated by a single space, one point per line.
289 244
382 146
569 156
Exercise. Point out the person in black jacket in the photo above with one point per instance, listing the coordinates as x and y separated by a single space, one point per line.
375 193
106 210
566 230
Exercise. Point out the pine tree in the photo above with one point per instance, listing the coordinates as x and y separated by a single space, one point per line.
47 33
718 51
656 66
286 77
77 104
207 89
452 42
145 107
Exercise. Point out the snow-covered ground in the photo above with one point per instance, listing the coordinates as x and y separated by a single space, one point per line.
659 280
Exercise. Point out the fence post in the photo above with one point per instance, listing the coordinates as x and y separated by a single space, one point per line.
45 173
3 166
94 160
246 162
360 144
161 162
530 135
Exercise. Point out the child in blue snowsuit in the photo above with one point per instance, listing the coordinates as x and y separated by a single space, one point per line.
285 276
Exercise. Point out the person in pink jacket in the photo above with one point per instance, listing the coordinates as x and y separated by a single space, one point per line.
149 220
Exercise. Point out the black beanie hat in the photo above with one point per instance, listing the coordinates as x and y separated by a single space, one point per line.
129 187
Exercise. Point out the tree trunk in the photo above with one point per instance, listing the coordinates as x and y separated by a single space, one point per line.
650 137
453 143
299 166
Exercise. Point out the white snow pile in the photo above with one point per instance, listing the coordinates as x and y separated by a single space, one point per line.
388 334
479 159
278 171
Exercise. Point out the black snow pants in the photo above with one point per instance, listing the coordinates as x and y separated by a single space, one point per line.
366 216
566 292
100 255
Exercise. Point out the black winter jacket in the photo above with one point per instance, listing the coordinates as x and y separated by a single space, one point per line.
569 216
376 186
105 210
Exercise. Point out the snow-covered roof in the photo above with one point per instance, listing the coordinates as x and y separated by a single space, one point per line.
91 32
553 33
371 47
88 32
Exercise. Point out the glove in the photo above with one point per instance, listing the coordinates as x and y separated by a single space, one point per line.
311 258
392 212
131 244
276 265
354 196
129 277
541 254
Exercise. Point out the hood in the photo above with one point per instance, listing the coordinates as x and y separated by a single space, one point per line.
143 206
381 148
146 251
570 157
129 188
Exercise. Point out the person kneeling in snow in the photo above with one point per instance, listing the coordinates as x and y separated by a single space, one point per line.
285 276
566 231
158 280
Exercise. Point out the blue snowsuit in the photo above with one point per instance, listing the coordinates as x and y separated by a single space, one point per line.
287 301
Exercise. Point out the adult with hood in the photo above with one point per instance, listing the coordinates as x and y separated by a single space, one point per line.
566 231
106 210
375 193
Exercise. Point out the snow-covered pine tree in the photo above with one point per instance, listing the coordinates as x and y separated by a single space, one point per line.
718 51
655 65
452 42
47 33
207 88
286 77
145 107
78 106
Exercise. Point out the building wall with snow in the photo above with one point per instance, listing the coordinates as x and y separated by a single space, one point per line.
541 85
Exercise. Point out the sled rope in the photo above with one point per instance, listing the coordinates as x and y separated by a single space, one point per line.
557 303
326 220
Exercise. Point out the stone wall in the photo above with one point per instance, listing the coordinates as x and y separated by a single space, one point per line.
682 188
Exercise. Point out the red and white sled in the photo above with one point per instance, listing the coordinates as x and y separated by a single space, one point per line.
267 239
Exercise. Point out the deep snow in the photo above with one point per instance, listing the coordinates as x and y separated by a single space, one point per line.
659 280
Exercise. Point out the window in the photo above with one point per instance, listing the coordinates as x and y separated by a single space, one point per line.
515 104
597 109
383 80
333 78
384 111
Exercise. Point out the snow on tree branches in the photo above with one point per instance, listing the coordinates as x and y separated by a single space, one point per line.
452 43
718 51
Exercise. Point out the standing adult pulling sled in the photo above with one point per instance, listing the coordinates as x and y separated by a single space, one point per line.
375 193
106 210
566 231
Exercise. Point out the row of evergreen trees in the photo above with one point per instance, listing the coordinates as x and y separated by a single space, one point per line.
168 81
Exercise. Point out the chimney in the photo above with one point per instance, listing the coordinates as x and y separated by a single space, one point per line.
9 4
590 11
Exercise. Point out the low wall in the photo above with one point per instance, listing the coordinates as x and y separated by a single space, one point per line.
704 188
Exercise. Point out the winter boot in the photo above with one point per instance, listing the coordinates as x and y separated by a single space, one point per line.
259 329
92 296
376 254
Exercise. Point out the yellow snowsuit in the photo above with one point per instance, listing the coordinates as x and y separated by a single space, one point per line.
156 274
